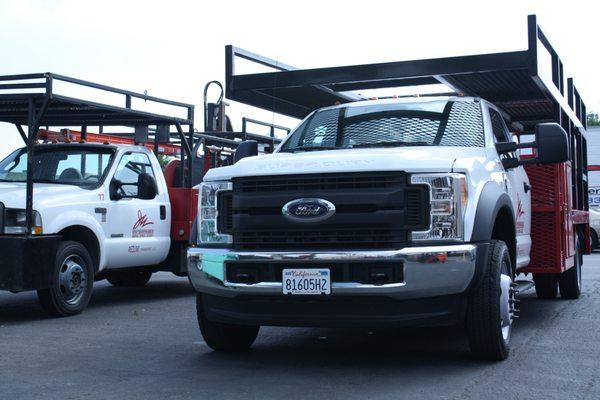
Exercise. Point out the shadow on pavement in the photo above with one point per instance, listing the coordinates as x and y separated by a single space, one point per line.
24 306
342 347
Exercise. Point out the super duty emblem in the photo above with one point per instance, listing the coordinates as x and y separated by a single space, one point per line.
308 210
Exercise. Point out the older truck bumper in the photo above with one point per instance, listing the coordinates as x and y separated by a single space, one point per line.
431 291
27 263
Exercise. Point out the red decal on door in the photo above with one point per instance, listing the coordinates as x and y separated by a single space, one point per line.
520 212
142 221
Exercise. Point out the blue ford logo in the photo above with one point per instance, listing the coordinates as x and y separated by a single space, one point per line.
308 210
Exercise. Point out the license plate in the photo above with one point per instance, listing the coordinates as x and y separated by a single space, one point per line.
306 281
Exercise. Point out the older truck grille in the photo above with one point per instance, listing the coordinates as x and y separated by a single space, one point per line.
374 210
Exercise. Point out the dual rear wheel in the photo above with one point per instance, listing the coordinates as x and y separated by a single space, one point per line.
547 286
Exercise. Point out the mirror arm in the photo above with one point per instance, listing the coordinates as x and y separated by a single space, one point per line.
508 147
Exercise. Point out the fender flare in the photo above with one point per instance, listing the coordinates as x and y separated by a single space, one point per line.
79 218
491 200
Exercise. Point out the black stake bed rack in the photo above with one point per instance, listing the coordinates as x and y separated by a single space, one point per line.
514 81
510 80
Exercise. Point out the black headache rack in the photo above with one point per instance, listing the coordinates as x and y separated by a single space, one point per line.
510 80
513 81
32 101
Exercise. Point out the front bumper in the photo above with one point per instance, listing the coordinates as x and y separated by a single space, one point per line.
27 262
428 271
431 292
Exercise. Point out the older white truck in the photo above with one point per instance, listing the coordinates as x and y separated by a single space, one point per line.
395 212
77 207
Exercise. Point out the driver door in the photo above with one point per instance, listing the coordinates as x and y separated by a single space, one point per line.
138 229
519 190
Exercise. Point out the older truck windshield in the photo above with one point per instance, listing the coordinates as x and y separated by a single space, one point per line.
83 166
424 123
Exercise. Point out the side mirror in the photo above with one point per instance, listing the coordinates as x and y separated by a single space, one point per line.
147 188
113 189
247 148
552 143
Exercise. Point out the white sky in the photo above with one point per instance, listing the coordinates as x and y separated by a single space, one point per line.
172 48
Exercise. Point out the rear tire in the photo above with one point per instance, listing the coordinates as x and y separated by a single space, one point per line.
569 281
490 309
224 337
72 281
546 286
128 278
594 239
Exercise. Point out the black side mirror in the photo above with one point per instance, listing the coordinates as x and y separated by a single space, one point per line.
552 143
147 188
247 148
113 189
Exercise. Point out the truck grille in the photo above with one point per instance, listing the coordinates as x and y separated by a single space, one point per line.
374 210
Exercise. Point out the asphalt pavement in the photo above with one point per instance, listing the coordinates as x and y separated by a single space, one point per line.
144 344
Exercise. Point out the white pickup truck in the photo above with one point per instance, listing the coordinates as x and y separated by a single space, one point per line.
376 213
108 203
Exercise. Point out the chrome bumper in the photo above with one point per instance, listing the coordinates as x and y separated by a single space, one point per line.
428 271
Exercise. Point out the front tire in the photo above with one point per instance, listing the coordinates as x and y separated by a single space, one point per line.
72 281
128 278
224 337
490 311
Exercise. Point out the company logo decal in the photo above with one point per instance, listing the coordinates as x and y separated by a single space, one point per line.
308 210
520 212
139 228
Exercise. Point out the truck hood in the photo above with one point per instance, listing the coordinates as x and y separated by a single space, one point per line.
410 159
13 195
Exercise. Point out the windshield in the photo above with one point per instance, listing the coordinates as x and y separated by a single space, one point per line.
83 167
428 123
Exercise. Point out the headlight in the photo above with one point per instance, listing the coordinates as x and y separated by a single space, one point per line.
208 213
448 199
15 222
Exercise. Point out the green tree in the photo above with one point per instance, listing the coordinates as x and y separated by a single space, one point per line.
164 160
593 119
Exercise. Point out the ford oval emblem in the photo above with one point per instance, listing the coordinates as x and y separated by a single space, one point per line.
308 210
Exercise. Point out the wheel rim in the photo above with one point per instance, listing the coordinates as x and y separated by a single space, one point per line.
507 303
72 280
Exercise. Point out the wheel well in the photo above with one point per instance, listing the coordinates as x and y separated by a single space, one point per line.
504 229
87 238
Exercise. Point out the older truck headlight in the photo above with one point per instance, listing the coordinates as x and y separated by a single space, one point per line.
208 212
15 222
448 198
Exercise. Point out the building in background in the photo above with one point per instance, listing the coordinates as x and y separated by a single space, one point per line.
593 143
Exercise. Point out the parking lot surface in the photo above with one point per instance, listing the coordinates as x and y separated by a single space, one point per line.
144 343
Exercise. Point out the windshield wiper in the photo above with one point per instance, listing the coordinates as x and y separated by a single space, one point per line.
310 148
390 144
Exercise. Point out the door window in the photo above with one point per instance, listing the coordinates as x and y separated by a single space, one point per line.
128 171
498 127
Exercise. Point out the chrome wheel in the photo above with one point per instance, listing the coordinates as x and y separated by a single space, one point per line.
508 311
72 280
